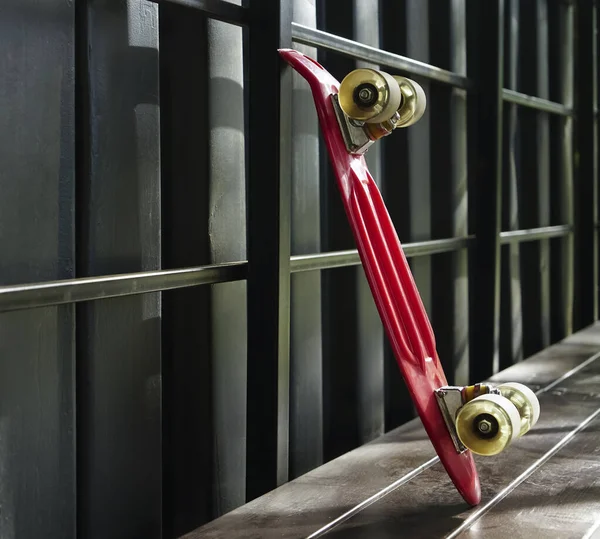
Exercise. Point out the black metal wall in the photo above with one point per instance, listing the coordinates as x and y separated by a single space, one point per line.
184 321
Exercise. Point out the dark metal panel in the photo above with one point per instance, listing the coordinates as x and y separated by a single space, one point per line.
370 336
306 354
485 47
119 440
187 414
306 391
586 167
37 360
269 167
227 233
511 320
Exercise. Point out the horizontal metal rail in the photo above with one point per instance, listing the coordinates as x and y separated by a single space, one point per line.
341 259
215 9
535 103
34 295
28 296
353 49
533 234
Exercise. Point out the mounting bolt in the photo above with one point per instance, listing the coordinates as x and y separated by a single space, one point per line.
484 426
365 94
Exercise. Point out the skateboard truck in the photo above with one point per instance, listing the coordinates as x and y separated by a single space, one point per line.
354 133
371 104
486 419
450 400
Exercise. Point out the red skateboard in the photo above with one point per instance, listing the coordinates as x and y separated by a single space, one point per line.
366 106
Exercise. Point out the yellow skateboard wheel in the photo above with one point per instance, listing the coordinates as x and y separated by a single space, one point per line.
414 102
526 402
369 96
488 424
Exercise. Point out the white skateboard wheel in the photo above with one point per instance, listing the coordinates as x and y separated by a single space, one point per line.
414 102
488 424
526 402
370 96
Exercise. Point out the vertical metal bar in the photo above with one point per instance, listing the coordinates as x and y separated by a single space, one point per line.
596 54
485 47
586 167
561 49
37 208
419 147
447 106
458 64
120 351
597 136
370 349
534 179
306 369
566 194
543 162
268 233
227 232
512 318
340 339
444 165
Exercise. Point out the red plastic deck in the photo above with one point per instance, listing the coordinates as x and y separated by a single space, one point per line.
390 279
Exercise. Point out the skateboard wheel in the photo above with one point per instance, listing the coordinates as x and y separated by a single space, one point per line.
488 424
525 401
369 96
413 103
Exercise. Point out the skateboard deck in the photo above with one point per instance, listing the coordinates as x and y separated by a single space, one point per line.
390 279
